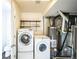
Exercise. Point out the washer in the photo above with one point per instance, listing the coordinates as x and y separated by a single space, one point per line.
25 44
42 47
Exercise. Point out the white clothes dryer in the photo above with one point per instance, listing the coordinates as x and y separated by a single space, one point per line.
25 44
42 47
25 40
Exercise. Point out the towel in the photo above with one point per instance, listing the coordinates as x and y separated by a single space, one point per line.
7 50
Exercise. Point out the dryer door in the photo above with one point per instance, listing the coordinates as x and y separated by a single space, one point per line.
42 47
25 38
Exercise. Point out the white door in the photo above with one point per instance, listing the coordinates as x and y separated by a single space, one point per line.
6 28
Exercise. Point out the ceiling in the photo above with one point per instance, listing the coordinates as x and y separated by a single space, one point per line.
63 5
33 5
48 7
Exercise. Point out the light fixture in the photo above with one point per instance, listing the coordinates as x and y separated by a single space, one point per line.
38 1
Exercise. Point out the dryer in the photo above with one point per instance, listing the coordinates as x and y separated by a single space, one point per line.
42 47
25 44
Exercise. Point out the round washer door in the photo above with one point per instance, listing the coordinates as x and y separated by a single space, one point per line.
41 47
25 38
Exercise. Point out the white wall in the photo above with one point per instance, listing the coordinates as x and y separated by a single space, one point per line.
34 16
16 14
15 26
46 25
15 20
37 16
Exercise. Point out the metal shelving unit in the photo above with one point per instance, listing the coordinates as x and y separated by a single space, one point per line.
23 23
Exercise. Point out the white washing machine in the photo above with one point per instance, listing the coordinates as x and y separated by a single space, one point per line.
42 47
25 44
